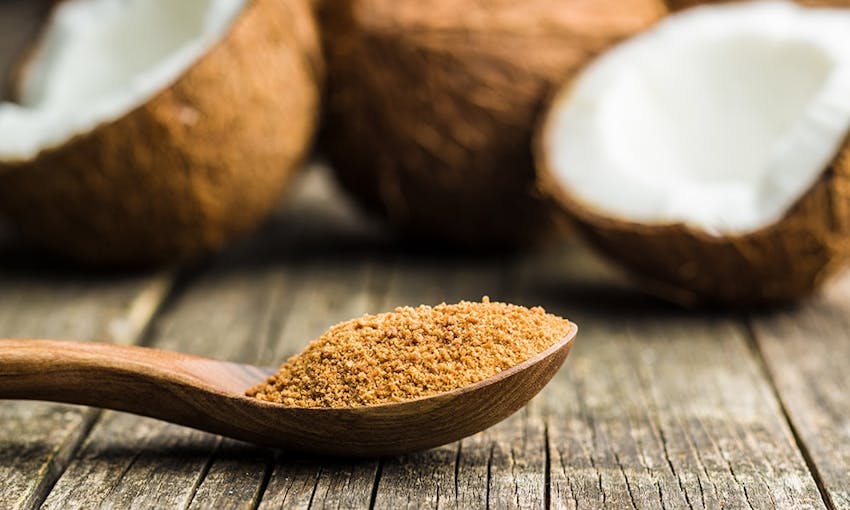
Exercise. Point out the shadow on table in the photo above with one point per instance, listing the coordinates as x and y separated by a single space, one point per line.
560 278
318 225
20 260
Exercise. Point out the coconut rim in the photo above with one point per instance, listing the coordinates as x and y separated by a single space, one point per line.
22 67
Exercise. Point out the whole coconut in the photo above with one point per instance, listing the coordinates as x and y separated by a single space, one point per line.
431 104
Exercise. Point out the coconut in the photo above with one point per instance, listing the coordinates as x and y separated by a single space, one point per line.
432 104
147 131
709 155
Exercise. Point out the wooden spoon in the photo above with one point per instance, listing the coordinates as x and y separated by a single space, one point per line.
209 395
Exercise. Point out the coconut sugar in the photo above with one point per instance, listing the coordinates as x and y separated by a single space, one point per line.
410 353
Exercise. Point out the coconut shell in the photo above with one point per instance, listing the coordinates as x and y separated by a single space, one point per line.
783 262
202 161
431 104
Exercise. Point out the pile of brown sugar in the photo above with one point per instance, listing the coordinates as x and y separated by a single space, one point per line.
411 352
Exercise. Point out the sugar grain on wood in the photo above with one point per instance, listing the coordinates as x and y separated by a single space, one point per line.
411 352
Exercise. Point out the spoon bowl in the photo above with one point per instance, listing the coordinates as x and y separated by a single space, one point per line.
209 395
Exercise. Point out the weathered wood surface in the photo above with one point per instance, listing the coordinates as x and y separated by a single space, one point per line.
659 407
806 351
656 407
36 439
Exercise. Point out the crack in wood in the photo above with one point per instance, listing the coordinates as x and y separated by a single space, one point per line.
55 465
315 487
547 473
665 449
203 473
261 490
457 468
489 474
799 442
375 484
626 479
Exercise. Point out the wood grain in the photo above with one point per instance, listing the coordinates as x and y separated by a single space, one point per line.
658 407
805 352
36 440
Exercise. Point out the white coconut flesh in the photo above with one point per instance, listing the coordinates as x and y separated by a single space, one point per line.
720 117
99 59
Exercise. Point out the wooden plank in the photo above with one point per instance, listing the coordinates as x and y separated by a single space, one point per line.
805 350
37 439
505 466
658 407
304 482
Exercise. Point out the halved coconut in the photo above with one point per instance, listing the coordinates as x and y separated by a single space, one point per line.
432 104
709 154
155 130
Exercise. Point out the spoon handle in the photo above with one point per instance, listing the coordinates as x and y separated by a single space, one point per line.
134 379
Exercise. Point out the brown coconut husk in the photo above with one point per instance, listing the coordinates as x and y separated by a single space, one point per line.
202 161
431 104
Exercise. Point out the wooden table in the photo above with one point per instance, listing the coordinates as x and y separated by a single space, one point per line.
657 407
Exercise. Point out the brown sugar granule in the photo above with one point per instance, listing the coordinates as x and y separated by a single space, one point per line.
411 352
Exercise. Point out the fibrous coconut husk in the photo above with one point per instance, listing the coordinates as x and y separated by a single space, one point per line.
431 104
203 160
